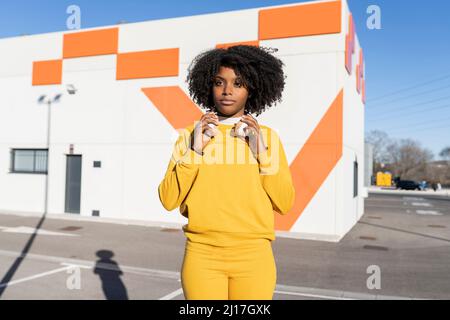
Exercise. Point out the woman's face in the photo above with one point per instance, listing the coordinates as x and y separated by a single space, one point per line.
230 95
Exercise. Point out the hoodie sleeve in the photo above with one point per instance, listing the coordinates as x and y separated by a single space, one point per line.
275 174
181 173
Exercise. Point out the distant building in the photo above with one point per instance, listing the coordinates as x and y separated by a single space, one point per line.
368 164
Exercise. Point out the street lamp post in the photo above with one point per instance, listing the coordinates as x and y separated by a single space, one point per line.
48 101
71 89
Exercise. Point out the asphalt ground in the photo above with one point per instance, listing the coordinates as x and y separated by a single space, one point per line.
405 237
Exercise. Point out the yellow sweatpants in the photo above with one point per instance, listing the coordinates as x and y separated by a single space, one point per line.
246 272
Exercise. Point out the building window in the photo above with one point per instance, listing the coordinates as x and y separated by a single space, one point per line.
355 178
29 160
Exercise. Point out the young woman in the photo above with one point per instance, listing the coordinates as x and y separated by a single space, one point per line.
228 174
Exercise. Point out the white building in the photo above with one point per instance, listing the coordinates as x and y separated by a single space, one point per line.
110 142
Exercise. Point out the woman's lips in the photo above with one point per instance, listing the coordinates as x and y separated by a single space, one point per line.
227 102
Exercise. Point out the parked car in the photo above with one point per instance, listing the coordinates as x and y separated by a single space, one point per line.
423 185
408 185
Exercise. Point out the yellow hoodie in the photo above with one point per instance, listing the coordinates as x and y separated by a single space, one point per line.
228 194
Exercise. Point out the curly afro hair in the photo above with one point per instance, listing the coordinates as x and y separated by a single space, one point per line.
261 72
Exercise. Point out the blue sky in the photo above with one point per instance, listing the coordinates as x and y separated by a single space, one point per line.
407 66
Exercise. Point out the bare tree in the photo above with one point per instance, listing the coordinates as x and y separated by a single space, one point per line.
445 154
437 172
379 140
408 160
444 173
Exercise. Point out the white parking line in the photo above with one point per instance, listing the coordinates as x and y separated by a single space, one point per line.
311 295
91 264
334 294
40 232
40 275
421 204
281 289
383 199
429 212
172 295
413 198
72 265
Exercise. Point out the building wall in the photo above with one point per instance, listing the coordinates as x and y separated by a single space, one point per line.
368 170
353 208
116 121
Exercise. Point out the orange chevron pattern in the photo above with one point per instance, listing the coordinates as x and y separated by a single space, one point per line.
174 105
315 161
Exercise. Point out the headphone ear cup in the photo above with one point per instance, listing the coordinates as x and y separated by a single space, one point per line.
241 132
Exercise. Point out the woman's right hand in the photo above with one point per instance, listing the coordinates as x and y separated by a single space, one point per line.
203 133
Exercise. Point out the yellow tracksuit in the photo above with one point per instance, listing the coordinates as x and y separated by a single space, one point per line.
229 196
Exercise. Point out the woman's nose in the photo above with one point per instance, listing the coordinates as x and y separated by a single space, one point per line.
227 90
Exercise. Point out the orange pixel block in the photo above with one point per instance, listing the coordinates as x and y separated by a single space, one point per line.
47 72
301 20
148 64
91 43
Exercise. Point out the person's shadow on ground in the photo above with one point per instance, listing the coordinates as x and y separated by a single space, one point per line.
109 272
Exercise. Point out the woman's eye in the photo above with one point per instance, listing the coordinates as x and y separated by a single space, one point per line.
219 82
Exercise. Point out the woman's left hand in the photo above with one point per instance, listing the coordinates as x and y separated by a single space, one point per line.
253 135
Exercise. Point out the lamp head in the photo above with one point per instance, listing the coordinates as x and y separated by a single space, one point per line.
57 97
71 89
41 99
